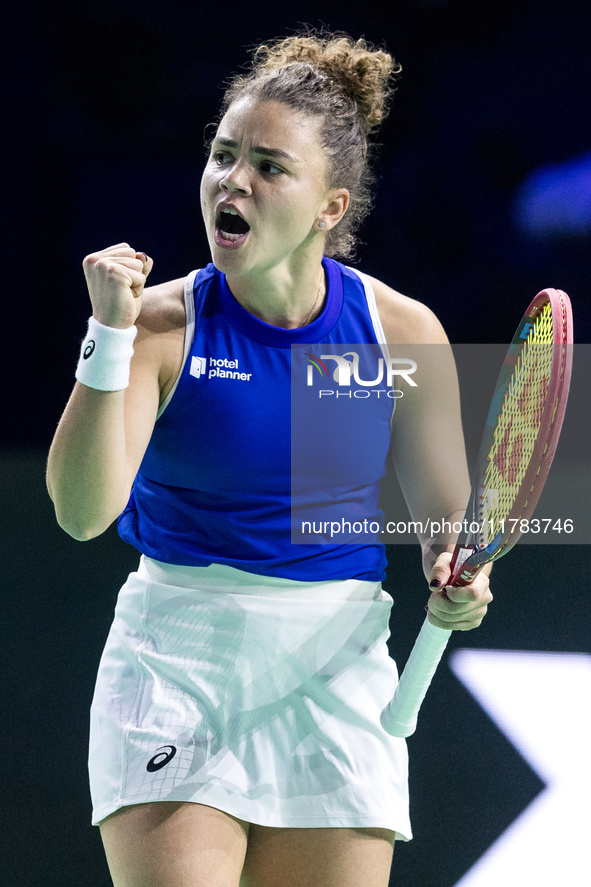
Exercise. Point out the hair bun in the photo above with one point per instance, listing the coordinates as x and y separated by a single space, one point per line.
362 72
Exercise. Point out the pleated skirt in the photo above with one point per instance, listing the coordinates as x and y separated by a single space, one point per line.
258 696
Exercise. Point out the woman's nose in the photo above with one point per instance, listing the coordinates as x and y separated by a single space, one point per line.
236 181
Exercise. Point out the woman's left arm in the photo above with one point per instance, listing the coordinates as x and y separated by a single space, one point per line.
429 454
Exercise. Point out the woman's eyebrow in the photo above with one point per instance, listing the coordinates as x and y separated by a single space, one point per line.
278 153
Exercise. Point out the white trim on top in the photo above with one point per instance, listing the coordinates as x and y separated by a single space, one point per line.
373 312
189 334
370 297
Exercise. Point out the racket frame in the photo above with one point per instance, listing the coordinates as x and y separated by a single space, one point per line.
399 717
469 558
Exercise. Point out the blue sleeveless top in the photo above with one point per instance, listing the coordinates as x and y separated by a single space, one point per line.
257 455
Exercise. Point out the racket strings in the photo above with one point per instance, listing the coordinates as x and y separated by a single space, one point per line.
517 428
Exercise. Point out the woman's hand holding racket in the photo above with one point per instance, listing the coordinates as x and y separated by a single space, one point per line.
456 607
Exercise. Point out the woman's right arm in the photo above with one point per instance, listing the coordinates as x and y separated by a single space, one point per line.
102 436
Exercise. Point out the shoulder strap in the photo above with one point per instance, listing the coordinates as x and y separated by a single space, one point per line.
189 334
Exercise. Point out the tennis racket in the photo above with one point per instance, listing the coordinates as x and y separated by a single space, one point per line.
518 445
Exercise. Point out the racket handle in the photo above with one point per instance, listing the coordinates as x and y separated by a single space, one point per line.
399 718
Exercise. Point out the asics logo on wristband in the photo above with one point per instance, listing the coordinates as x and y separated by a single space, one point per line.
111 350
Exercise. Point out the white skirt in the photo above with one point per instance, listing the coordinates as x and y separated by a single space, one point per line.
260 697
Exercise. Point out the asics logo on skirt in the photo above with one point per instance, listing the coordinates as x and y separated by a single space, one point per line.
165 755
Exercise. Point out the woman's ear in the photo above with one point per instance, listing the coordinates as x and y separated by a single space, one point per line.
338 203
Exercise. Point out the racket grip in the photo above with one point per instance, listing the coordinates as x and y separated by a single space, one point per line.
399 718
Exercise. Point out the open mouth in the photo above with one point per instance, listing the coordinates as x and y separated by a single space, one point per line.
231 228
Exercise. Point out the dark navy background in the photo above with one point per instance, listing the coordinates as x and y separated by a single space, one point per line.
104 112
104 108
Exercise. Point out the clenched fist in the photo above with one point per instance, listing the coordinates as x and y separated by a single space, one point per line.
116 277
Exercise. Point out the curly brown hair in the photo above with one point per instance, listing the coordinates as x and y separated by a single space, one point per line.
348 84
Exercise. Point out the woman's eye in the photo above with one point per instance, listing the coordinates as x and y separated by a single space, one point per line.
269 167
221 158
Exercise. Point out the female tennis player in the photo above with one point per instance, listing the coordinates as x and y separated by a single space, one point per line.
235 727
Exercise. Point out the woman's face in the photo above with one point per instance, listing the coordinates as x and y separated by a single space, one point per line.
267 165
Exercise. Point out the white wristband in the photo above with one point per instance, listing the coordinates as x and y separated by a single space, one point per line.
105 357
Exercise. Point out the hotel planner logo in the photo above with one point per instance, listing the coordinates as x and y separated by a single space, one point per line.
212 367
